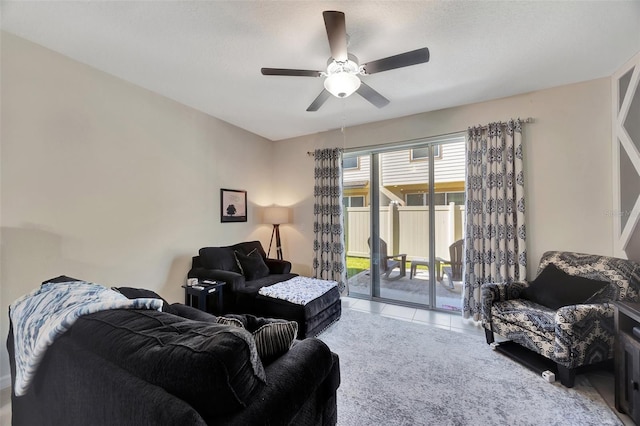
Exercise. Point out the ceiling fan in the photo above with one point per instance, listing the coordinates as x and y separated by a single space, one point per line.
343 68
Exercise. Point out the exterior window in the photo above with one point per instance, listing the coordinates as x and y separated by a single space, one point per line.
353 201
349 163
417 199
439 198
423 153
455 197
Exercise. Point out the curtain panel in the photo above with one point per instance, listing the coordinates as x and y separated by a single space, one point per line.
328 245
495 236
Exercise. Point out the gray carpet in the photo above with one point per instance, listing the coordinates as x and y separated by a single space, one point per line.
400 373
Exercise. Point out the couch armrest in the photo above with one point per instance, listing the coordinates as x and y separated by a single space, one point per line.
497 292
581 331
234 280
277 266
292 379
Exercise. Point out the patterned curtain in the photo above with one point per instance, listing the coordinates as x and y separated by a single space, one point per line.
495 243
328 245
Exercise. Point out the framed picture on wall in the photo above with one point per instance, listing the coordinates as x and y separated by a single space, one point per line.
233 205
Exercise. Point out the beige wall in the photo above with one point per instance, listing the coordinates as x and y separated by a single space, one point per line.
568 162
108 182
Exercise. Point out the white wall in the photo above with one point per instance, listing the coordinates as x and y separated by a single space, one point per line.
108 182
568 161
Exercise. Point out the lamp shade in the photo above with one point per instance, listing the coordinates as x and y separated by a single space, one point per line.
342 84
276 215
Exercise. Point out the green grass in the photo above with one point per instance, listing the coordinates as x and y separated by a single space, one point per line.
355 265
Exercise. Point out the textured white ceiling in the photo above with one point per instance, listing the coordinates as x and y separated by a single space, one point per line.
208 54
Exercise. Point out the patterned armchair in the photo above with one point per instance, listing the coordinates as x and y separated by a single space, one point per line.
573 335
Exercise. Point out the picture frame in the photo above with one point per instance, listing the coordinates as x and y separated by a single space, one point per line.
233 205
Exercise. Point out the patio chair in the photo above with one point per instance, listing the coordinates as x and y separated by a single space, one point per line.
389 263
454 270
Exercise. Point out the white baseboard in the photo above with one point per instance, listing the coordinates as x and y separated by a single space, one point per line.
5 382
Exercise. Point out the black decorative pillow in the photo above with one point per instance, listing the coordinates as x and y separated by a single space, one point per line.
554 288
273 337
252 265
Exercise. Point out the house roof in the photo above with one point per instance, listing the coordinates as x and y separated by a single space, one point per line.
208 54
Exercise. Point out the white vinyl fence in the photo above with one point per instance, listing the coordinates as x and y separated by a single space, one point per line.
405 229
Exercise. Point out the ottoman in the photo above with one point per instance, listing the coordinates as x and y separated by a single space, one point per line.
313 303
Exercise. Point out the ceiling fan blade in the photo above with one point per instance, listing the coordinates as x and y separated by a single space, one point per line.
406 59
337 34
319 101
371 95
290 72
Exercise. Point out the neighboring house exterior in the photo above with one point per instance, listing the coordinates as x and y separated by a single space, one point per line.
405 175
404 199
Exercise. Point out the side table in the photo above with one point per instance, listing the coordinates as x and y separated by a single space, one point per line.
627 358
425 262
202 291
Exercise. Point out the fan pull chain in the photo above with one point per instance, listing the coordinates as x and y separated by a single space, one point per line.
344 123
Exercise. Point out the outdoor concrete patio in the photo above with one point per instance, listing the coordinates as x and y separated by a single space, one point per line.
414 290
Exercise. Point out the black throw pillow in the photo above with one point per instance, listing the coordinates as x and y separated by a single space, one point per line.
554 288
252 265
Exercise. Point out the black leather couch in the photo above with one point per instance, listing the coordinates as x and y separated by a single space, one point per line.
142 367
220 264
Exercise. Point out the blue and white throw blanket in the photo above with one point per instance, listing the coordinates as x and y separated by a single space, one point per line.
41 316
298 290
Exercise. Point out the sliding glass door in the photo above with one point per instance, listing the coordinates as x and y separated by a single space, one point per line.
403 210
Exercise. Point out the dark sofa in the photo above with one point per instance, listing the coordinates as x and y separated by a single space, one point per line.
180 367
220 264
246 269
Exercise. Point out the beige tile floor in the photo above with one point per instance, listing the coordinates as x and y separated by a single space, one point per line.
602 380
442 320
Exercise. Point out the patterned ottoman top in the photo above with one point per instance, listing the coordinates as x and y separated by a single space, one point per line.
298 290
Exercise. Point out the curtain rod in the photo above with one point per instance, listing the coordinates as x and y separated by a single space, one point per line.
525 120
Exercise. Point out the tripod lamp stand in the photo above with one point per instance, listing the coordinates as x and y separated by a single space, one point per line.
276 216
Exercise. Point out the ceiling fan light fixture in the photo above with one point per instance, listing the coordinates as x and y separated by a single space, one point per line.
342 84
